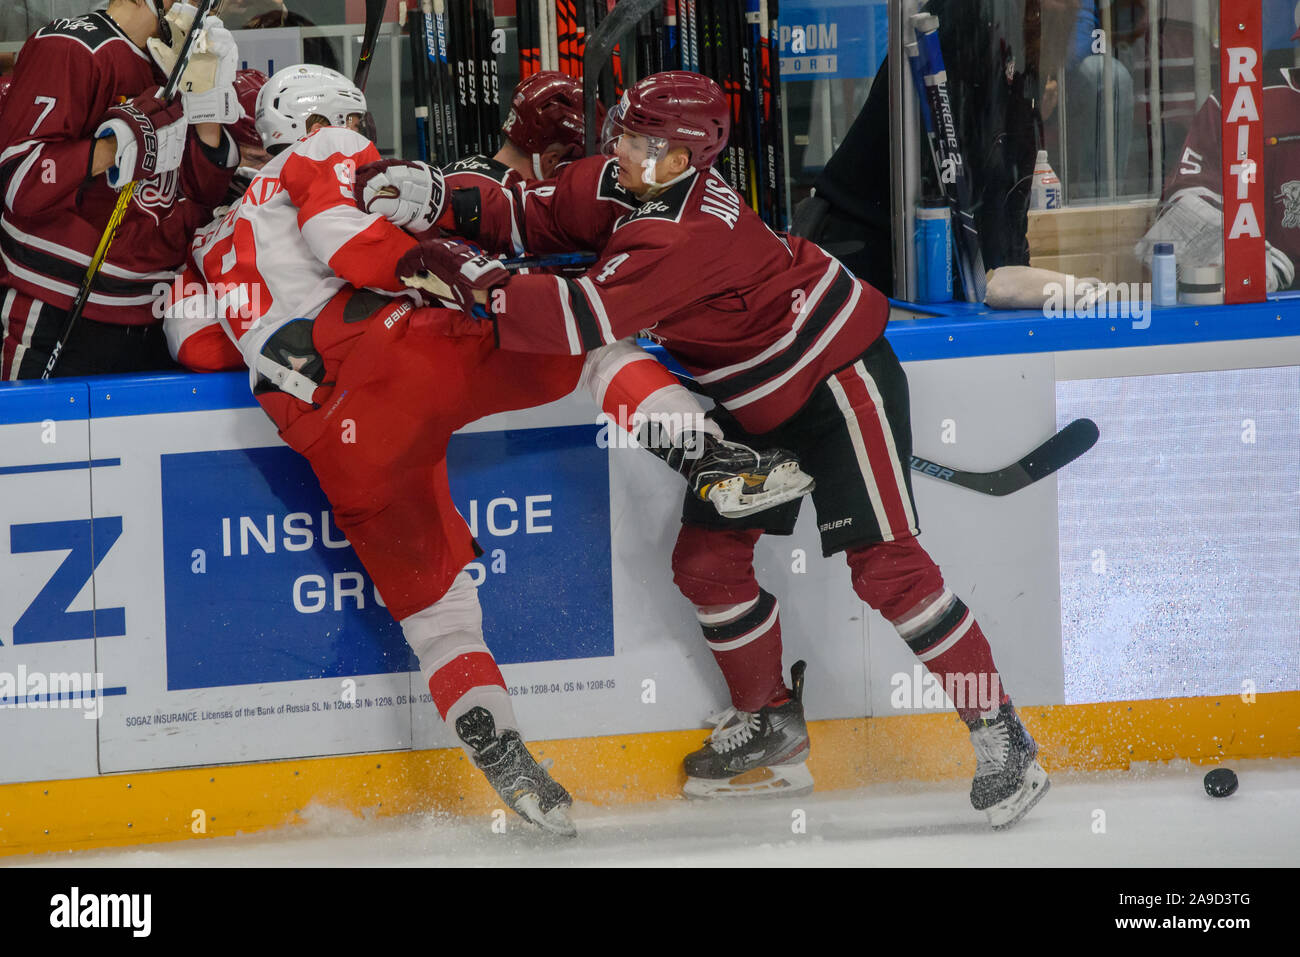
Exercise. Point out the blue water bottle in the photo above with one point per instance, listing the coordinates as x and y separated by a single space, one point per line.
934 251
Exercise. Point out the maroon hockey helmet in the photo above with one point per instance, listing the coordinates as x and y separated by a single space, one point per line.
248 83
683 109
4 89
546 108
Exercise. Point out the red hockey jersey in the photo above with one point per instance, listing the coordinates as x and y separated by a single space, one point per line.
67 76
294 240
758 319
1200 168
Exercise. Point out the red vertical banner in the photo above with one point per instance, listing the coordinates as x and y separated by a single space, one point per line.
1241 66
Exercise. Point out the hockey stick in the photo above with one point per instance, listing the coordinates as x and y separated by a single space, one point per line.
953 177
1058 451
124 197
419 75
374 20
600 45
552 261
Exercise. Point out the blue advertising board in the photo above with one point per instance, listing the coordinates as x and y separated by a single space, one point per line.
822 39
261 586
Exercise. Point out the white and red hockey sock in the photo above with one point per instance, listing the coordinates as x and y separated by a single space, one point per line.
447 638
946 638
746 642
632 388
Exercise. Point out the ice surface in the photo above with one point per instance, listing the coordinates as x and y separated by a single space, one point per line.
1154 815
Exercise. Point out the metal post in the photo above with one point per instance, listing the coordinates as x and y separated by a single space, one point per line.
1157 120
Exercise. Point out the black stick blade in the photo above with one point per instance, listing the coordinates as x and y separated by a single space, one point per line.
1056 453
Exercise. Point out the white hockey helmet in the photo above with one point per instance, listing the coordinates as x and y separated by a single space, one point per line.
298 92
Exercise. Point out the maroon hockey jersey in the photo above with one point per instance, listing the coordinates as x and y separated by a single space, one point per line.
758 319
1200 170
67 76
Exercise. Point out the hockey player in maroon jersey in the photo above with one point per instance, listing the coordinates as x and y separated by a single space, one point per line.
81 120
1191 214
789 345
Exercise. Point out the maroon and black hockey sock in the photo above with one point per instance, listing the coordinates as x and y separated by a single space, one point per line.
746 642
948 640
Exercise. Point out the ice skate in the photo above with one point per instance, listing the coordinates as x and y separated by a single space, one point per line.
754 754
1009 781
740 481
522 783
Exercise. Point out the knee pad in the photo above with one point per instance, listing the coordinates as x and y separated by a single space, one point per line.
894 577
713 567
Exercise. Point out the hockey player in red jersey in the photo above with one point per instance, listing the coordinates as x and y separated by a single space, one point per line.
362 381
1191 214
789 345
81 120
543 131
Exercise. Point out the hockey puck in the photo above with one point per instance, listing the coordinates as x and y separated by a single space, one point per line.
1220 782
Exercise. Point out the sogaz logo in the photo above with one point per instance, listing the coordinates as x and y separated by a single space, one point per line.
809 49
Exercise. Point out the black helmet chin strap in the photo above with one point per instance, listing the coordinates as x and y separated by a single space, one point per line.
164 28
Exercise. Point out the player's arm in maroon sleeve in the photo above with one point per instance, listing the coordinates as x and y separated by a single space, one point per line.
362 248
638 279
206 170
46 156
576 210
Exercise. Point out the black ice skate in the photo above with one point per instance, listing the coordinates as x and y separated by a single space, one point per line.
752 755
736 479
1009 781
740 481
522 783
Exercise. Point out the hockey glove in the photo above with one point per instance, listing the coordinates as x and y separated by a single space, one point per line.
1281 271
208 86
451 271
407 193
150 138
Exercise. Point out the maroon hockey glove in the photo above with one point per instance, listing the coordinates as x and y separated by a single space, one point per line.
150 138
450 271
409 194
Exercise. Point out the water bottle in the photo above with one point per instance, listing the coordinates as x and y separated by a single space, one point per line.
1045 192
934 251
1164 276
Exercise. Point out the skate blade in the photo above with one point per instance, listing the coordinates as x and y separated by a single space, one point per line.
784 483
554 821
779 780
1010 811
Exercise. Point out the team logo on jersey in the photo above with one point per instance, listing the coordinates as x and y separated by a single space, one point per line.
157 196
1289 194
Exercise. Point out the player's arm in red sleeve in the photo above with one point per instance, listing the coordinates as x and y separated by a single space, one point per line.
628 289
45 155
362 248
195 338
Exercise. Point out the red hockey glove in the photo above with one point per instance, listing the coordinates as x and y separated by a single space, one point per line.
407 193
150 138
450 271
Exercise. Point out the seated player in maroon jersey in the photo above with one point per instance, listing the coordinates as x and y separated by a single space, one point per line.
789 344
82 119
1191 214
